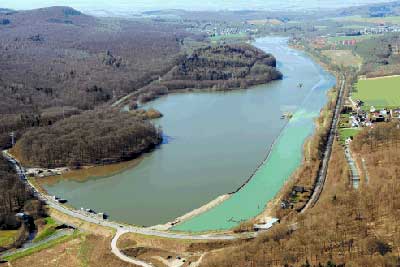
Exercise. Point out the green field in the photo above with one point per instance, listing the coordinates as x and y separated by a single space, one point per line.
219 38
48 230
41 247
7 237
345 133
357 38
380 93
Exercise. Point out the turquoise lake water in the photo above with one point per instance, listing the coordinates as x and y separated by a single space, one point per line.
213 143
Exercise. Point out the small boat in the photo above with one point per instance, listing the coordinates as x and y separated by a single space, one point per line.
300 85
286 115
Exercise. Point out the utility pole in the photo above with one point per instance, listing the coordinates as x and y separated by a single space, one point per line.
12 135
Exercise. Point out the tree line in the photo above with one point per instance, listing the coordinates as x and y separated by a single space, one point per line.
60 61
93 137
347 227
16 197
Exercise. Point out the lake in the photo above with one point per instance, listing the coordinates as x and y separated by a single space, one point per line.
213 143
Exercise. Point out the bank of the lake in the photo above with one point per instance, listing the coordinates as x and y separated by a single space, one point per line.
214 142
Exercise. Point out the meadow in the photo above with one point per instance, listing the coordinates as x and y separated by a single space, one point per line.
378 92
358 38
345 133
344 58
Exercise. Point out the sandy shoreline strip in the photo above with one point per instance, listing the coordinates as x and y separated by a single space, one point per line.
192 213
221 198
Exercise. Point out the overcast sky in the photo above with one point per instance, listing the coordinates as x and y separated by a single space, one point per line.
93 6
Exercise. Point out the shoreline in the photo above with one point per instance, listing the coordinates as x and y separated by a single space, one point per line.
85 174
209 205
271 204
224 197
264 160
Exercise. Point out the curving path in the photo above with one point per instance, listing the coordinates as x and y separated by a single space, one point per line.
115 250
121 229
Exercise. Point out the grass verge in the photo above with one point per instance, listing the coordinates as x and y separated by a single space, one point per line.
7 237
41 247
345 133
48 230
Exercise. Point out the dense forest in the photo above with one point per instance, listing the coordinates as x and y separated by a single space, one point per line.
219 67
347 227
57 62
92 137
223 67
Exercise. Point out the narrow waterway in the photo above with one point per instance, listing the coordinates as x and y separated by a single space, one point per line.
214 142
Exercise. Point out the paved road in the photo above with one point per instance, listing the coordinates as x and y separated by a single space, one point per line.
96 220
121 229
115 250
29 245
355 176
319 185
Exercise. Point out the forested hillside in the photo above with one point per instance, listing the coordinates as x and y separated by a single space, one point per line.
56 62
347 227
223 67
16 197
90 138
13 195
381 55
219 67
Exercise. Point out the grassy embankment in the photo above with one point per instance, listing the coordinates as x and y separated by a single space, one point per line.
86 248
41 247
7 237
46 230
345 133
80 249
